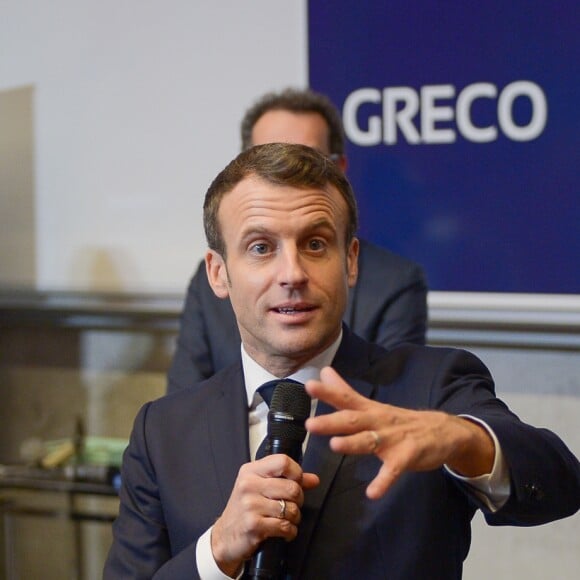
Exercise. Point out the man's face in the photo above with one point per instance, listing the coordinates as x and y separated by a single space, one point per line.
287 270
308 129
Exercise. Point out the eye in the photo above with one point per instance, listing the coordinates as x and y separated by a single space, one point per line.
316 244
260 248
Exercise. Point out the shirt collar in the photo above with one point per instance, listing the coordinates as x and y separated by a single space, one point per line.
255 375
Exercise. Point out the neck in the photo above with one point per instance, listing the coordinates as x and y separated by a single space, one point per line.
282 365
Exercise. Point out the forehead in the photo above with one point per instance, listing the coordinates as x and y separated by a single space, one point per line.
309 129
256 203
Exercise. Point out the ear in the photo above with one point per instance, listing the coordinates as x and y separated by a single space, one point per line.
352 262
342 163
217 274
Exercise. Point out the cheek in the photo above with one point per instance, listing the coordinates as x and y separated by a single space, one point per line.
246 285
336 281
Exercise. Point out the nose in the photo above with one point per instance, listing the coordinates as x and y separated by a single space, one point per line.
292 272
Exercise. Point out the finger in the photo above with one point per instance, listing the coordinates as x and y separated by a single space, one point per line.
285 510
282 513
362 443
282 489
277 465
278 528
340 423
384 480
334 390
310 480
396 461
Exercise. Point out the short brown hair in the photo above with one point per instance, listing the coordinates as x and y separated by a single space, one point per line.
296 101
280 164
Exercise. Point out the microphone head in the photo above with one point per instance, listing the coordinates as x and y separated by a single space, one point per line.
289 409
291 397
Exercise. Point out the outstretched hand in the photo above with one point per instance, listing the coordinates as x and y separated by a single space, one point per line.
404 439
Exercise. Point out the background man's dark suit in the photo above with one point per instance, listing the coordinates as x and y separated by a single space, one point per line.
418 530
384 309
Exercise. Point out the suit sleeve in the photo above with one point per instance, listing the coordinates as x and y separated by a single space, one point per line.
192 361
141 547
544 473
544 476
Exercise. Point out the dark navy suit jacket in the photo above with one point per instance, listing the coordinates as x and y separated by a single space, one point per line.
186 449
387 306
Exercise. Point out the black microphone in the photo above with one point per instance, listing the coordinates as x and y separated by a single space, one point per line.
289 409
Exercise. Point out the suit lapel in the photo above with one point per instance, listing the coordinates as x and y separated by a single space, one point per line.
351 361
227 423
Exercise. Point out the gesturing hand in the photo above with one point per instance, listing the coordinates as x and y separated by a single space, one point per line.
405 440
253 512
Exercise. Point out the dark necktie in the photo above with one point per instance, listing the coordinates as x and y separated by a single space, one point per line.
267 389
266 392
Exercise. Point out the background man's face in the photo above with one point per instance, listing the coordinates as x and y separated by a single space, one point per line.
287 270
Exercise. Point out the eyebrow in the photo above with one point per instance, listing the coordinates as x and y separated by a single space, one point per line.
321 223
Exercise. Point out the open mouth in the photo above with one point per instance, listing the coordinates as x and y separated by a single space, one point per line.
293 309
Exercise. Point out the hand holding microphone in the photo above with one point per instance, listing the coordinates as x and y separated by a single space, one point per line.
264 491
289 409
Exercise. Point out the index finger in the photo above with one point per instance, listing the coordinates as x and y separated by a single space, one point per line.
334 390
277 465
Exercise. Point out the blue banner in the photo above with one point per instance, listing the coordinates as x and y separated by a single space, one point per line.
462 134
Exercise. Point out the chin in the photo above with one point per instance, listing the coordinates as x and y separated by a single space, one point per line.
300 346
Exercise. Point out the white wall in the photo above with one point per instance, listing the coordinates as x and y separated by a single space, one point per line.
136 107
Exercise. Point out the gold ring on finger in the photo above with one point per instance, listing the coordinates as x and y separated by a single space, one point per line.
376 442
282 514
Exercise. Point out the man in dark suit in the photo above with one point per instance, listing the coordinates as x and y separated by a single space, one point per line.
404 445
387 306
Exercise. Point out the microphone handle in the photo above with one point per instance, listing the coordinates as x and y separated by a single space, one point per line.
269 562
291 448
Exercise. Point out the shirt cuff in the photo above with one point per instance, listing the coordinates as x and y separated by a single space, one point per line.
206 564
492 488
